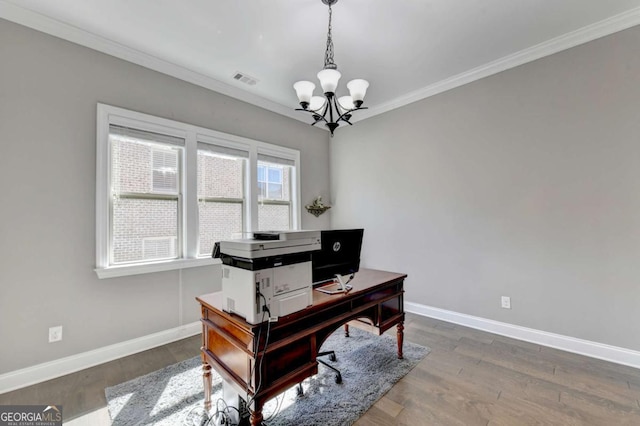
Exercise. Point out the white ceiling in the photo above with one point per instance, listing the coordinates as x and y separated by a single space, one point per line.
407 49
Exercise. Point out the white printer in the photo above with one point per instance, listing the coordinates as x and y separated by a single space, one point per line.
273 269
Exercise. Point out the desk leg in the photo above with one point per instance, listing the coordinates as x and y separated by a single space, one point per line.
400 338
256 417
346 330
206 378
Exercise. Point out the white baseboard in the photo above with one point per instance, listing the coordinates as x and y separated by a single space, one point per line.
59 367
570 344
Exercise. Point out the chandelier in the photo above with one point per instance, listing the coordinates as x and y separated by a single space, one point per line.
329 108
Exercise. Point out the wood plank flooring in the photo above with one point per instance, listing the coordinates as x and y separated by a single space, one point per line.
82 394
469 378
477 378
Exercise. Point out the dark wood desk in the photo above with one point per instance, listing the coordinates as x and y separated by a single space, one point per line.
230 344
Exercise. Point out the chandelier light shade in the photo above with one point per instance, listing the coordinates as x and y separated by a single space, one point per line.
329 109
304 90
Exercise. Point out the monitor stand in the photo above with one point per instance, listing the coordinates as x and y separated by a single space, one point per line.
341 284
337 286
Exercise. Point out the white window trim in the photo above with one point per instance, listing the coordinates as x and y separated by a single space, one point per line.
107 114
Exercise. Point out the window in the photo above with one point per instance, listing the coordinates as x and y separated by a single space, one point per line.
274 193
144 194
221 194
167 191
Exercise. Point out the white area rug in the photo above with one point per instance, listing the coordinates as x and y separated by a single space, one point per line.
369 365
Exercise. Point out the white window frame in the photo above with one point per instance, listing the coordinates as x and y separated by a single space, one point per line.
107 114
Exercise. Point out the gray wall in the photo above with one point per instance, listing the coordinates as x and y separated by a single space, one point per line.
524 184
48 94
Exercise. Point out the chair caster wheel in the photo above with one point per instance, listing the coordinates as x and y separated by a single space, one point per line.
299 390
332 357
338 379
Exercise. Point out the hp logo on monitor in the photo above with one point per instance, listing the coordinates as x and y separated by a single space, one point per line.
336 246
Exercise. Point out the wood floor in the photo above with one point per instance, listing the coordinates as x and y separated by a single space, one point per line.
477 378
469 378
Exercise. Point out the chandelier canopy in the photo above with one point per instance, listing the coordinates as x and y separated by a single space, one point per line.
329 108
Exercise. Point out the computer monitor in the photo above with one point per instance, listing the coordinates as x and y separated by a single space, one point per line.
339 254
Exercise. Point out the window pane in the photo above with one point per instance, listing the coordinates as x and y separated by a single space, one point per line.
280 176
261 174
220 176
143 167
275 175
218 221
287 172
128 171
274 217
262 190
275 191
165 171
144 229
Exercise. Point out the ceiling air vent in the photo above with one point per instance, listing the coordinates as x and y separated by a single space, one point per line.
244 78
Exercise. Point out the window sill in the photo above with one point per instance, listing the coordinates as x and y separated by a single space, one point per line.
124 270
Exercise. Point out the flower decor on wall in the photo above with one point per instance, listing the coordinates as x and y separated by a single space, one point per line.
317 207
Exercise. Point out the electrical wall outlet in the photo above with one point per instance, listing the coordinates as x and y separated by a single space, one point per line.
506 302
55 334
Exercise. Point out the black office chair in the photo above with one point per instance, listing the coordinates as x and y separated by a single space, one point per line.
332 357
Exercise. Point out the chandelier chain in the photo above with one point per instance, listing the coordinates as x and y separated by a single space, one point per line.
328 55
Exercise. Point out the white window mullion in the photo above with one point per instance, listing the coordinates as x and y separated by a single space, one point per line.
295 192
252 192
190 220
103 188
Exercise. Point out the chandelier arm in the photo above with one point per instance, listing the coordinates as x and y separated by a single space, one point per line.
343 115
326 109
322 117
314 114
349 113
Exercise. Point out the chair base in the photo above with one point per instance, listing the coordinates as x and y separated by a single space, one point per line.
332 357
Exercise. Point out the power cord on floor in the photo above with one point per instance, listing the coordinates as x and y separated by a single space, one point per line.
222 416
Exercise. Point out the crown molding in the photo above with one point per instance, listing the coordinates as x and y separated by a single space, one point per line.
580 36
36 21
76 35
